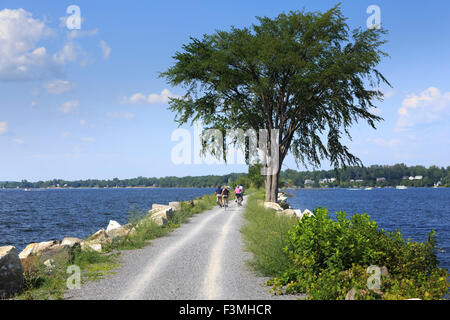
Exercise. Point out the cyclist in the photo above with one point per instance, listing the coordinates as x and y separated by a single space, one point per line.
225 194
238 194
219 196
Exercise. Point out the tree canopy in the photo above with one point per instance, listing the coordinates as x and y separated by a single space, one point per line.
304 74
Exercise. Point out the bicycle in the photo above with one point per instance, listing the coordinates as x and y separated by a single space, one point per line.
219 201
225 202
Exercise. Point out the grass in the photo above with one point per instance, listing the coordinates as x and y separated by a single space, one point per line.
41 283
265 235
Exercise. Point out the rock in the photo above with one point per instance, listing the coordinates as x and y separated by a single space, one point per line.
161 213
385 272
351 295
289 212
175 205
118 232
50 264
160 218
70 242
27 251
30 265
99 237
282 198
308 213
87 245
11 272
273 205
37 249
112 225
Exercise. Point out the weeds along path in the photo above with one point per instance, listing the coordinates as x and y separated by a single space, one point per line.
203 259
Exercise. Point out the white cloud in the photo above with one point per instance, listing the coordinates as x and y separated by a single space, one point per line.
88 139
121 115
3 127
153 98
74 34
69 106
33 104
106 51
18 141
384 143
20 56
65 134
58 86
427 107
69 52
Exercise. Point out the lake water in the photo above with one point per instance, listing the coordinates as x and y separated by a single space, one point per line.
415 210
45 214
41 215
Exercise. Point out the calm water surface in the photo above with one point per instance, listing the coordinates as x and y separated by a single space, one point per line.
42 215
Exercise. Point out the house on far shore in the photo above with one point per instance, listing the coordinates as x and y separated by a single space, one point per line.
418 177
381 179
309 181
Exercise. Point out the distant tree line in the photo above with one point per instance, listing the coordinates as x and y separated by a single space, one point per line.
373 176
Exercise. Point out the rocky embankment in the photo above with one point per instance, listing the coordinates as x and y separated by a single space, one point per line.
283 207
14 265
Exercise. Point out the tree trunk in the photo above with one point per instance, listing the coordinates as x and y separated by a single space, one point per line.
271 186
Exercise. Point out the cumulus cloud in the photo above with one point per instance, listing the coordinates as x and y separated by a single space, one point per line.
3 127
74 34
426 107
106 51
58 86
121 115
69 106
153 98
384 143
20 56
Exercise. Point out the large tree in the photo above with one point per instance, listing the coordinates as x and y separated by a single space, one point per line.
304 74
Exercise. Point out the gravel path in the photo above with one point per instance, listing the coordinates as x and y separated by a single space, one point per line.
203 259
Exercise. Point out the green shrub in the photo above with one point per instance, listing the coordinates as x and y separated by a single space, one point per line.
331 257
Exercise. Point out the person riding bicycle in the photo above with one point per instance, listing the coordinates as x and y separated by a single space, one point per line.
238 194
225 194
219 195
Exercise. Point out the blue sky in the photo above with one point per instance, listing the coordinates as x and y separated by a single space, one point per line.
89 104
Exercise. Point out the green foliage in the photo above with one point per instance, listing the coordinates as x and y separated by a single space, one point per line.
255 176
330 257
265 235
43 283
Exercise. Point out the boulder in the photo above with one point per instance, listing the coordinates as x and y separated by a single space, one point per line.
273 205
118 232
160 218
289 212
37 249
351 295
160 210
27 251
99 237
50 264
112 225
30 265
11 272
175 205
87 245
70 242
